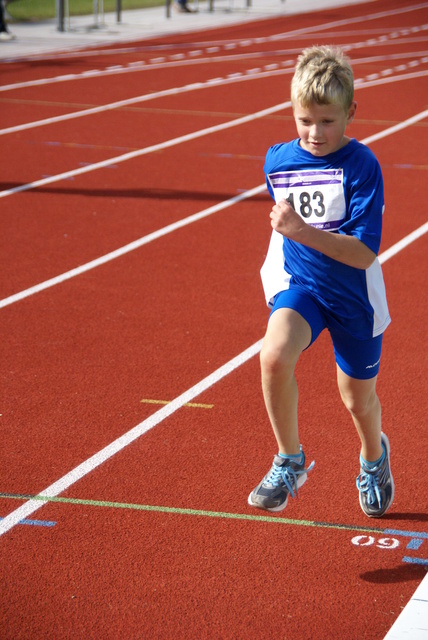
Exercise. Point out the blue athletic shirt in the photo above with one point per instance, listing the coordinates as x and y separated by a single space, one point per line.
341 192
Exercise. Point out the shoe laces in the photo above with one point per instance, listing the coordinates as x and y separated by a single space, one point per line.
367 482
287 475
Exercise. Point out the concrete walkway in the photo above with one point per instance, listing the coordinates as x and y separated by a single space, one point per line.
38 38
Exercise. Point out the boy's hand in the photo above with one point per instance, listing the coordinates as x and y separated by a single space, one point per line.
338 246
286 221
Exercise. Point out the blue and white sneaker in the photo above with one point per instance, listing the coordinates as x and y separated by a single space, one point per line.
284 479
376 485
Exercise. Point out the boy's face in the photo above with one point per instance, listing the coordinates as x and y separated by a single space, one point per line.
321 127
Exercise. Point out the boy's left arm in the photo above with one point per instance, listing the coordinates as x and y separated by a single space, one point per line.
344 248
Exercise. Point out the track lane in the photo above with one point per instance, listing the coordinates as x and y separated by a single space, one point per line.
31 226
147 461
214 562
92 338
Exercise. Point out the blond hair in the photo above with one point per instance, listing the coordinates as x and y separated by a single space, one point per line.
323 75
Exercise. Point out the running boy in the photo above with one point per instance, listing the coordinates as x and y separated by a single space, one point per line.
321 271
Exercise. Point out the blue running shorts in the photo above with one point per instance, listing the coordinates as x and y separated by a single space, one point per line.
359 359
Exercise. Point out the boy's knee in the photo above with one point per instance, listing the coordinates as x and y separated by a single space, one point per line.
358 404
269 361
275 361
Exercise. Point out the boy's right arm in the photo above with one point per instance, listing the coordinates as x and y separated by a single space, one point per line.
344 248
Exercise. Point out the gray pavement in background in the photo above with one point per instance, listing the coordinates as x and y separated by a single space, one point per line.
42 38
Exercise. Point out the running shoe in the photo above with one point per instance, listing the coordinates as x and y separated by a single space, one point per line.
6 35
284 479
376 485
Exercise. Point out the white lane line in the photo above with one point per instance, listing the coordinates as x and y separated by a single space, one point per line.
194 86
359 84
374 80
412 623
403 243
86 467
123 441
232 45
100 109
176 225
348 21
397 127
251 74
134 67
131 246
141 152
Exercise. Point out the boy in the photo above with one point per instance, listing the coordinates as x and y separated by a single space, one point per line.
321 271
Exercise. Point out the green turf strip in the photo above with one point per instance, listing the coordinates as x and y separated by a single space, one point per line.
193 512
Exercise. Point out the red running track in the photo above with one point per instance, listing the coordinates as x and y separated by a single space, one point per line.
152 537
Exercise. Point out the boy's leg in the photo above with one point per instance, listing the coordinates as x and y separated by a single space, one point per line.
361 400
287 335
295 321
375 482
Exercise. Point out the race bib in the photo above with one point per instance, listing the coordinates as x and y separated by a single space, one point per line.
316 195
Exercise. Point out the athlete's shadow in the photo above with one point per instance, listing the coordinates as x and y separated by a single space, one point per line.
147 193
403 573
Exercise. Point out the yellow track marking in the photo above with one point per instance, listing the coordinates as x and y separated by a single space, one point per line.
198 405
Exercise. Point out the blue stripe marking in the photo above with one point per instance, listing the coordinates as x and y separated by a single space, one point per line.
408 534
37 523
415 543
415 560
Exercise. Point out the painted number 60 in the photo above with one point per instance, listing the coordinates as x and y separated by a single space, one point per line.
382 543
